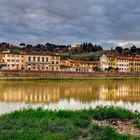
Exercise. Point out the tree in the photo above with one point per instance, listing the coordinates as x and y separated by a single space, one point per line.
133 49
119 49
22 44
117 69
126 49
111 69
96 69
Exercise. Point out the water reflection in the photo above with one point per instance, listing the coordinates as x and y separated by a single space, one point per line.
84 93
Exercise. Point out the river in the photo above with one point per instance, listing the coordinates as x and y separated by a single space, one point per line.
71 95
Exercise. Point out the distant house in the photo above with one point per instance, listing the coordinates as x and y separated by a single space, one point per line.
43 62
24 61
121 63
78 66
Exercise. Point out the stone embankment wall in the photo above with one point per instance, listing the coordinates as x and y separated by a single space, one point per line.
13 74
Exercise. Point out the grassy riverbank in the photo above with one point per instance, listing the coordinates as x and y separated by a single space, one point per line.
39 124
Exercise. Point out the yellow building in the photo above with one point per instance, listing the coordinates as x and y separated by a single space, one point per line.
135 64
123 63
112 61
15 61
107 61
2 61
77 65
43 62
12 61
29 61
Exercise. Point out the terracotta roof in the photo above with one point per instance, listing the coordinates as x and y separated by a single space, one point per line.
32 53
125 57
81 61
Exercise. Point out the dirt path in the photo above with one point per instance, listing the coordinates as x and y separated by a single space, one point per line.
123 127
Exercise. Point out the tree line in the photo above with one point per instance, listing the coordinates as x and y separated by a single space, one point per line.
132 50
83 51
49 47
85 48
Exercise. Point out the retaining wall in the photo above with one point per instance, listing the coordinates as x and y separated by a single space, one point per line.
12 74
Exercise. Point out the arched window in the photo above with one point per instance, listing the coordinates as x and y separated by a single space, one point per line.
42 59
46 59
38 59
34 58
29 58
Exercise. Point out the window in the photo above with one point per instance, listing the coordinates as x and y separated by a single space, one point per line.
52 62
42 59
34 58
57 57
46 59
57 62
22 68
29 58
38 59
52 68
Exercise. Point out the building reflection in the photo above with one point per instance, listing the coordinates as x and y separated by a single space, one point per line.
125 92
86 92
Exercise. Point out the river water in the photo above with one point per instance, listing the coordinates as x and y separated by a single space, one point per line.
71 95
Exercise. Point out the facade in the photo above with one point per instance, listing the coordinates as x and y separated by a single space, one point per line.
79 66
52 62
134 64
122 63
107 61
104 62
3 64
29 61
15 61
43 62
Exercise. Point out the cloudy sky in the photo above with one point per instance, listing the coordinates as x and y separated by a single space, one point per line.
108 22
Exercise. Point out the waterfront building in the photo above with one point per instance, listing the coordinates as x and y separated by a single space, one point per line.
43 62
79 66
122 63
12 61
3 64
22 61
107 61
135 64
15 61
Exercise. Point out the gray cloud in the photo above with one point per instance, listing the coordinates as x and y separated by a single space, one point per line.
109 22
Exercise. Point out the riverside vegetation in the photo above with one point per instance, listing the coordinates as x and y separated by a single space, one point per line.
41 124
